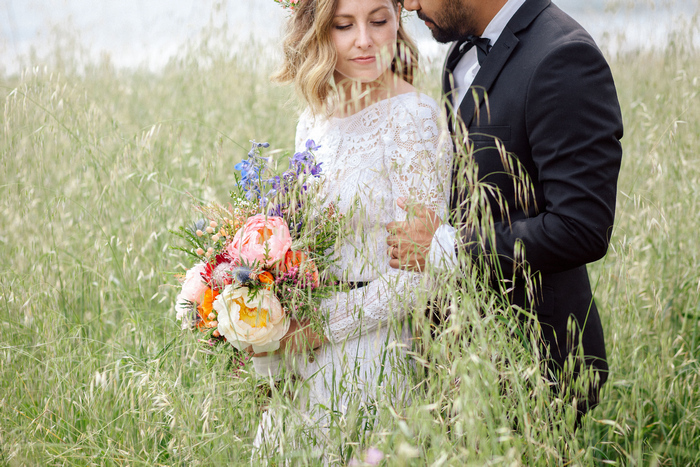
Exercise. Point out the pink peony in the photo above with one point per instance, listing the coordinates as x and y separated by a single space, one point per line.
265 239
192 293
194 286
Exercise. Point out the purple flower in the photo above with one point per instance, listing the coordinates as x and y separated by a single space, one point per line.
311 145
256 188
276 211
316 170
373 456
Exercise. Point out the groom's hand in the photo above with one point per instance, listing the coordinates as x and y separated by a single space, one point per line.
409 241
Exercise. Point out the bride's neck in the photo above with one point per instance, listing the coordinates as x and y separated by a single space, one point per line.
354 96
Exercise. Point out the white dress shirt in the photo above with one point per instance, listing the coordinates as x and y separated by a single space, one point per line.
468 66
442 249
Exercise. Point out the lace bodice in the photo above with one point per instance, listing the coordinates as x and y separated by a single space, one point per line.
394 148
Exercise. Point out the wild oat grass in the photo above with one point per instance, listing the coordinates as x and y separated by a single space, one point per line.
98 166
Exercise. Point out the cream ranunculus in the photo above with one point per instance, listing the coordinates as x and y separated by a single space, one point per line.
259 321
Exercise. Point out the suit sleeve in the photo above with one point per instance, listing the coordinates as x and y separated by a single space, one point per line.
574 126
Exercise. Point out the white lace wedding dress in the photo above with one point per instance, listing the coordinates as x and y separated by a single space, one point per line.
394 148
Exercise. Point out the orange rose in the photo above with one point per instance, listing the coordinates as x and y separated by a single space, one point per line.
266 278
205 309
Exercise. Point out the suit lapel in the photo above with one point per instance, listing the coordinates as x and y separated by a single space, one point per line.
496 60
447 82
447 74
488 73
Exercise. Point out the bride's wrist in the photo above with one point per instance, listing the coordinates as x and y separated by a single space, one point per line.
267 365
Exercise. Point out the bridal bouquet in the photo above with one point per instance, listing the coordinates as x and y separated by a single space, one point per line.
262 259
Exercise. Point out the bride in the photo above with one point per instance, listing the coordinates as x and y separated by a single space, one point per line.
380 141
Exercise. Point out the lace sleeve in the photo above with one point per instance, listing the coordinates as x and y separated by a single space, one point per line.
362 310
417 159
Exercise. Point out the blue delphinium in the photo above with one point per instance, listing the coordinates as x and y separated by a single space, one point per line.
261 190
252 171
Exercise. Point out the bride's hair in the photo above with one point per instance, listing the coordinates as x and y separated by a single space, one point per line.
310 57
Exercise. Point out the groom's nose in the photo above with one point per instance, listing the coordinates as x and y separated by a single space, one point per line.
411 5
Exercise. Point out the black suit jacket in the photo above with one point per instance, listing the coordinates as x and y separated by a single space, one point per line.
552 102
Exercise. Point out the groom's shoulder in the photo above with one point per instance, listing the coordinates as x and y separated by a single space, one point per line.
552 28
553 39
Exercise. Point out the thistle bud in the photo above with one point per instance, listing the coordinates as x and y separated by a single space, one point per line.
243 275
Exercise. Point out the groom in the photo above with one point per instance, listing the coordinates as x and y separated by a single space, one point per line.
551 102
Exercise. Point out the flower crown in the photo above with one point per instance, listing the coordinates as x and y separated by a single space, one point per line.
288 3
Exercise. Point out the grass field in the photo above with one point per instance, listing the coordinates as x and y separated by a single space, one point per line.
95 169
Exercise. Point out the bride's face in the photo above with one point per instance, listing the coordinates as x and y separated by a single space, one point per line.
364 35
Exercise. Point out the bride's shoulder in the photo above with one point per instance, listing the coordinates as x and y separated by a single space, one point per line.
307 121
418 105
305 124
419 99
409 95
310 119
306 117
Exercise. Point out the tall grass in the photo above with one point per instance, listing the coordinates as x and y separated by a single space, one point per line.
649 283
98 166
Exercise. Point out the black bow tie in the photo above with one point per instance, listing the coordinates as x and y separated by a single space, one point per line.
483 47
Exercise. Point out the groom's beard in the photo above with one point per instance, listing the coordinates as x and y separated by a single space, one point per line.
453 23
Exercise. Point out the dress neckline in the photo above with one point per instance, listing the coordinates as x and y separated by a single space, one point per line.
360 112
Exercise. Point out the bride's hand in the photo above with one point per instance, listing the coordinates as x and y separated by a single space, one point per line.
300 338
409 241
251 353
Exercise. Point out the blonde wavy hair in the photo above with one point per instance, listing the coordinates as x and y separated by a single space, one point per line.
310 56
